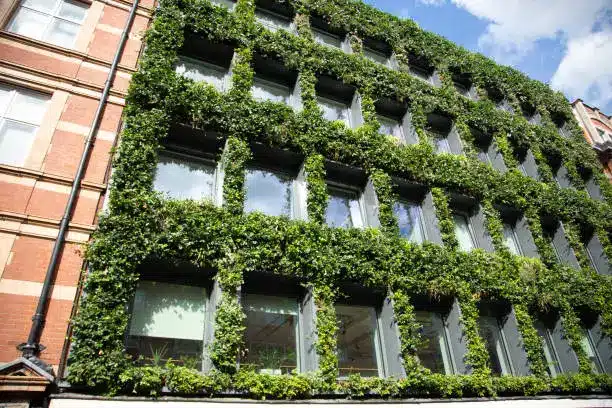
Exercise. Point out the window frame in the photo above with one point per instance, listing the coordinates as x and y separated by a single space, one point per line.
398 129
347 109
597 364
290 21
501 345
294 211
420 220
338 186
552 357
468 218
206 65
317 31
52 15
191 157
517 243
451 369
275 85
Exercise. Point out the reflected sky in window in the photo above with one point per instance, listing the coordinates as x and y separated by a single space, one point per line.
181 177
409 220
333 110
463 233
339 205
267 192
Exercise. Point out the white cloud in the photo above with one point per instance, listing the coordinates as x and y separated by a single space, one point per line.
583 29
586 69
432 2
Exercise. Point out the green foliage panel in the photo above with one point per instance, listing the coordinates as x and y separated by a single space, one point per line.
142 225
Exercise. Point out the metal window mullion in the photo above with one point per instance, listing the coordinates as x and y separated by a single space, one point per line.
598 362
553 349
447 345
378 347
516 240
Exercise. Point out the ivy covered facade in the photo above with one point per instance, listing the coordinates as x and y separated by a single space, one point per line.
348 161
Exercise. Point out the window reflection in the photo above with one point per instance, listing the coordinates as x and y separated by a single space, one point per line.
409 221
325 38
271 333
463 232
167 323
490 331
268 192
587 345
201 71
343 209
389 126
268 91
184 177
357 336
441 144
333 110
510 239
433 353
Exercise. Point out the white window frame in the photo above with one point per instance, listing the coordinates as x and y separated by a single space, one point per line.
347 108
13 91
298 327
290 28
362 221
208 66
267 83
378 346
54 14
217 192
468 219
296 205
421 218
398 129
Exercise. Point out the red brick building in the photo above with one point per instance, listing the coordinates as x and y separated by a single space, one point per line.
55 58
597 128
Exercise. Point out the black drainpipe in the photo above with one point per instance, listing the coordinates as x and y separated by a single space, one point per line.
32 347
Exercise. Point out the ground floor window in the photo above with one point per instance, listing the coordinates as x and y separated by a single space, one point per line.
358 341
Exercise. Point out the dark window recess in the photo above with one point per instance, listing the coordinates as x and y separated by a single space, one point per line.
420 67
561 122
377 50
463 84
558 353
591 185
517 233
531 114
338 101
469 219
595 251
274 81
559 171
443 133
526 162
555 234
487 150
325 34
498 98
281 8
201 48
395 120
595 342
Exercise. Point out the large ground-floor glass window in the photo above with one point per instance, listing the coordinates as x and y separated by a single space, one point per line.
167 324
357 341
434 351
493 336
271 333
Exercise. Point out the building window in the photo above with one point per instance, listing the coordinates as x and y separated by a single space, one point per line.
168 322
420 68
526 162
55 21
588 345
434 352
358 341
21 113
271 193
182 176
344 207
271 334
375 55
443 134
273 21
228 4
487 150
379 52
199 70
549 340
491 331
339 101
324 34
395 120
334 110
390 126
464 232
511 240
463 84
269 91
409 217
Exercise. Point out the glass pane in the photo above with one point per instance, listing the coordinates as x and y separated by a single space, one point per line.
334 110
327 39
15 142
229 4
433 351
271 333
272 22
409 221
29 23
167 323
375 56
270 92
587 346
183 178
552 365
339 205
420 73
6 94
73 11
510 240
490 333
356 341
463 233
462 89
441 144
201 71
28 106
267 192
389 126
46 6
62 33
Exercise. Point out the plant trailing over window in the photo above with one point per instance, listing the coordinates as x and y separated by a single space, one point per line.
141 224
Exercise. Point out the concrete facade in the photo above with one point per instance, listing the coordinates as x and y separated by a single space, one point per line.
33 196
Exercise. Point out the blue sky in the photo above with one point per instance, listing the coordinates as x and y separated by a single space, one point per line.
553 41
